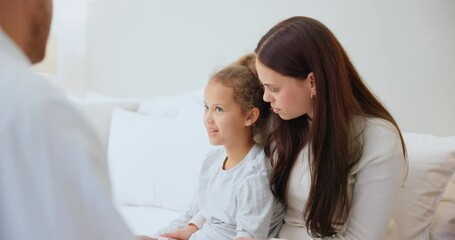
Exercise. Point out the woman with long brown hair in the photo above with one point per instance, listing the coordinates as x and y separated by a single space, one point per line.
338 155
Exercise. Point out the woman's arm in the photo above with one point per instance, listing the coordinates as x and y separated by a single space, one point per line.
378 178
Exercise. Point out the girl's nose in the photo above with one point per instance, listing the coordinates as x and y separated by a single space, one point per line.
208 117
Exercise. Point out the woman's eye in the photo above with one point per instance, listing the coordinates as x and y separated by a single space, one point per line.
274 90
271 89
218 109
206 108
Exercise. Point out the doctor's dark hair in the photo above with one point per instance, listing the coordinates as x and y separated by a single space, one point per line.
297 47
248 90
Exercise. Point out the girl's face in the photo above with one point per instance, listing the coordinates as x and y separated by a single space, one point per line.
223 117
289 97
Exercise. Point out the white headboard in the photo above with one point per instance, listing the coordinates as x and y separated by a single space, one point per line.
403 49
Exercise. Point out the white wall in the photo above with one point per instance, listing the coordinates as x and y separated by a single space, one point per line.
66 55
143 48
403 49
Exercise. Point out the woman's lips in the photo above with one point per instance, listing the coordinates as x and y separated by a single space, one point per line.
275 110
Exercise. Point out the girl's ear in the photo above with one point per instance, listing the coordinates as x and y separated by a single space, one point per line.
252 116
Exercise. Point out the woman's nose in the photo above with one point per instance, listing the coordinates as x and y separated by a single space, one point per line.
266 96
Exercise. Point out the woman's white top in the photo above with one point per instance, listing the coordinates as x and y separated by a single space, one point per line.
373 186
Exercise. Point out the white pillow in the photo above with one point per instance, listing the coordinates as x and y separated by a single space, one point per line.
174 106
162 106
431 165
443 226
155 161
99 116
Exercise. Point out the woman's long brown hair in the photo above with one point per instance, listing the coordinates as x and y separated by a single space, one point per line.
296 47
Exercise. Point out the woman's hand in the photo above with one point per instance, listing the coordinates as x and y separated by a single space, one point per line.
182 233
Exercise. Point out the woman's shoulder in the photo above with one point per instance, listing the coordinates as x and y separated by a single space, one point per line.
381 141
376 129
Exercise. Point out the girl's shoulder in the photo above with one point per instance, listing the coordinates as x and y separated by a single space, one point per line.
214 157
258 161
216 151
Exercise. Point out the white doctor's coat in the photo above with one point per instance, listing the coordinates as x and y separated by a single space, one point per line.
53 174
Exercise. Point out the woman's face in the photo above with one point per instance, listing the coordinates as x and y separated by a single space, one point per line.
289 97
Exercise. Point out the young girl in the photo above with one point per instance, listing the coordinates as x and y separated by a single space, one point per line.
234 195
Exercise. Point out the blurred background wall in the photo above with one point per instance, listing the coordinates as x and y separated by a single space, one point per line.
404 50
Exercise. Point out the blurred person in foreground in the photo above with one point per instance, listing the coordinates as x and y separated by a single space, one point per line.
53 175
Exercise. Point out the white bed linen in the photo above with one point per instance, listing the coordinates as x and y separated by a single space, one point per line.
144 220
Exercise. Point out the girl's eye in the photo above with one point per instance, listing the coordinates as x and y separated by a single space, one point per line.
206 108
218 109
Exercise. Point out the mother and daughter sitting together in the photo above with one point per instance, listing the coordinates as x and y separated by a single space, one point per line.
308 151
